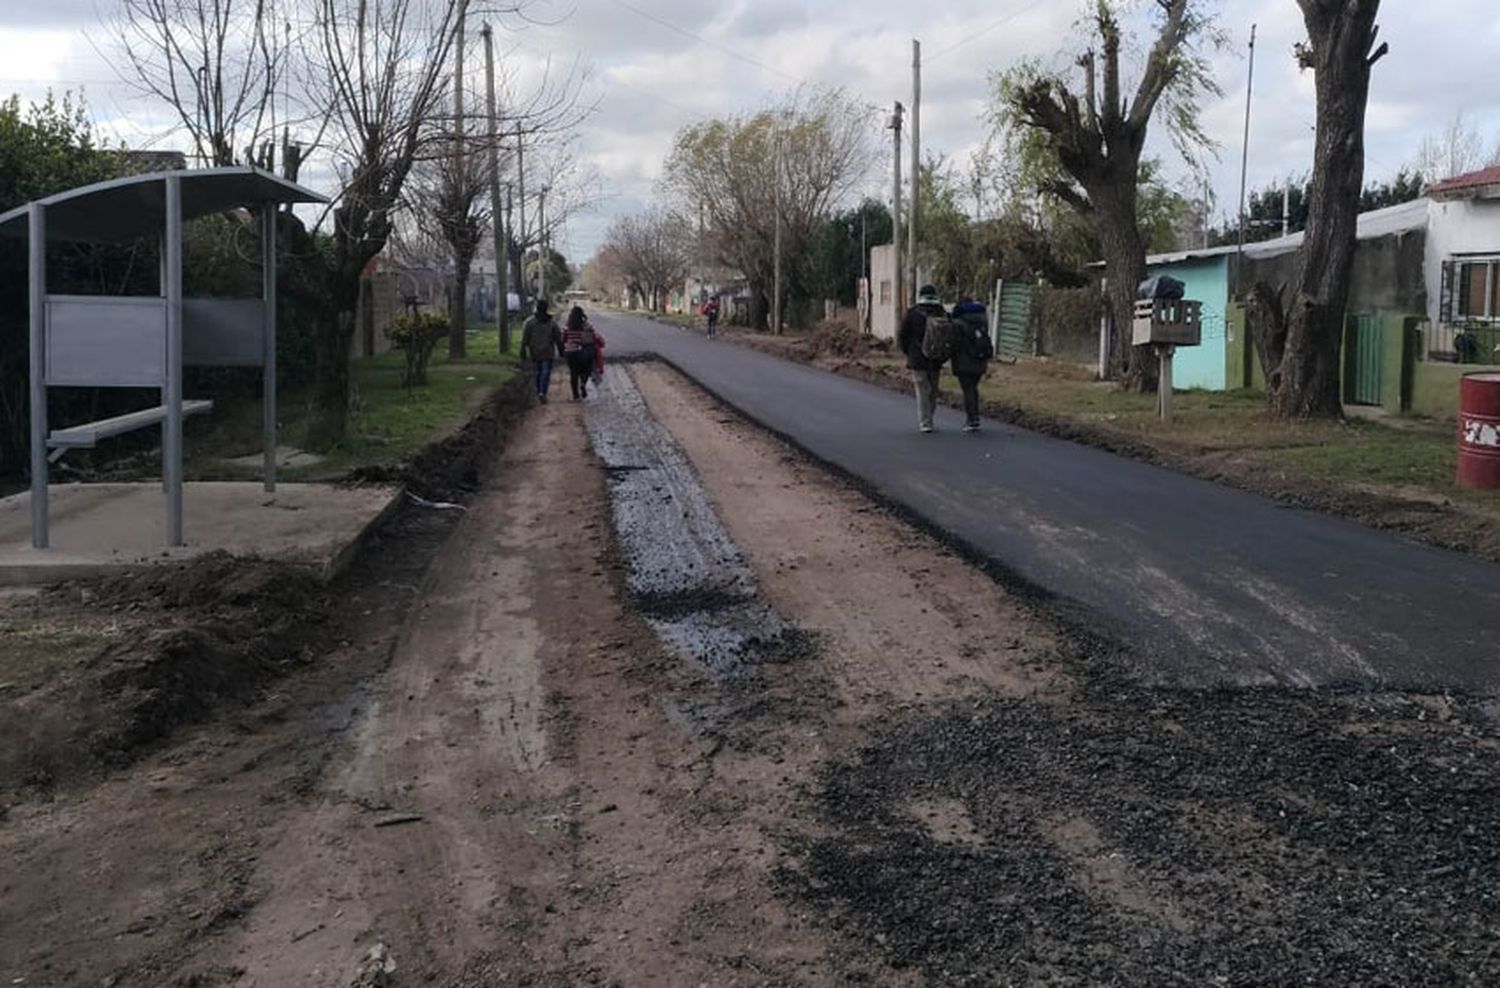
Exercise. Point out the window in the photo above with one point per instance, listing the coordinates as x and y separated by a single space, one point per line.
1471 289
885 292
1468 329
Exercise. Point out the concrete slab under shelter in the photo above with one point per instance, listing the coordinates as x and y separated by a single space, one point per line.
101 529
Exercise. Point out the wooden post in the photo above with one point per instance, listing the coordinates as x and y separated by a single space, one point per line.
1164 353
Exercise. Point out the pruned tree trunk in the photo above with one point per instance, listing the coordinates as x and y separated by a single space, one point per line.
1125 267
458 317
1300 345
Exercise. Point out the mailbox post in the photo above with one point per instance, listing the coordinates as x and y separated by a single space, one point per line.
1164 324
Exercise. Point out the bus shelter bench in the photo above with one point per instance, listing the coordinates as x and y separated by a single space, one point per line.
87 436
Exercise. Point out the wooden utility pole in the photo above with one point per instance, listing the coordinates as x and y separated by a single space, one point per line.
459 316
916 162
520 228
497 222
776 249
900 292
543 260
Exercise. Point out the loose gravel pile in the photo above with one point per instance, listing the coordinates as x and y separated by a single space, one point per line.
1132 835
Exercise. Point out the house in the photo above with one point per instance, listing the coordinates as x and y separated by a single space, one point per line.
1418 308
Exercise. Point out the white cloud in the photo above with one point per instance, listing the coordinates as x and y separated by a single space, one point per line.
650 78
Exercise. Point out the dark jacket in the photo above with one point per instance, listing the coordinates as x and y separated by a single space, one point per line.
540 339
971 330
913 328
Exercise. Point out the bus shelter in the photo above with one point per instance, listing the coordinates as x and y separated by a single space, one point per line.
145 341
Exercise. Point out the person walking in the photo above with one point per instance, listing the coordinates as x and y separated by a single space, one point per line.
541 343
579 343
972 352
711 316
926 337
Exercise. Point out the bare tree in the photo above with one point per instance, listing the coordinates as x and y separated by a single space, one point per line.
652 252
381 74
450 206
1456 150
216 63
1088 135
1299 344
728 169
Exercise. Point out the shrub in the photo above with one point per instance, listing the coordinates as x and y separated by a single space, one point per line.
417 335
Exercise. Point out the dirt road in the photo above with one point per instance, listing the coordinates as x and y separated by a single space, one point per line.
514 775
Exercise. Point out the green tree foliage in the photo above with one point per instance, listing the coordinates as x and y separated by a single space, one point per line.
1082 133
1263 207
559 272
837 264
45 148
416 335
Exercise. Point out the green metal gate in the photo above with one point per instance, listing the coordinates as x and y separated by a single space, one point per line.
1012 317
1365 364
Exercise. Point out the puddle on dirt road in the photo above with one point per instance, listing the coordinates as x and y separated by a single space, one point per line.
686 575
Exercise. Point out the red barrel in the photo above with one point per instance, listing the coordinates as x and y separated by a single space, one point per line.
1479 430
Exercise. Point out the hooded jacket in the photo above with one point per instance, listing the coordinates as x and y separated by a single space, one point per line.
971 325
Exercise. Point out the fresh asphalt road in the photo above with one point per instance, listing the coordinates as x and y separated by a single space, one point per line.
1204 584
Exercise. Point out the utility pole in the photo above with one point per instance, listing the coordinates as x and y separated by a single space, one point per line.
497 224
542 254
1245 156
457 338
776 249
521 288
916 162
899 297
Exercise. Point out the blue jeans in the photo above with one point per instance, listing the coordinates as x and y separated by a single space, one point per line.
543 376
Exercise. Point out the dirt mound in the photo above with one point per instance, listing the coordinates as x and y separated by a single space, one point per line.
188 640
173 645
839 339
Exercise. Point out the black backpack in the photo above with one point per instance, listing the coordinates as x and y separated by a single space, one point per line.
937 337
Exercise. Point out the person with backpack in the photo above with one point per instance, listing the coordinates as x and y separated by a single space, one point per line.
972 351
580 344
926 337
541 343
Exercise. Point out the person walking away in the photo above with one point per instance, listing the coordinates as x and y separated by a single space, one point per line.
926 337
579 346
972 351
711 315
541 343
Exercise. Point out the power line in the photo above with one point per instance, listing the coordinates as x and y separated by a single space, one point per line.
975 36
732 53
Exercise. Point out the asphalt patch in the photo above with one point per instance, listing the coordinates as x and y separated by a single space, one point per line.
1134 835
684 573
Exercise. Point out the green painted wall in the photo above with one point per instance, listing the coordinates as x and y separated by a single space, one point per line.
1435 388
1204 280
1241 364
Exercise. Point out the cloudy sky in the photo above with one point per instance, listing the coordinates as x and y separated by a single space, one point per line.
655 65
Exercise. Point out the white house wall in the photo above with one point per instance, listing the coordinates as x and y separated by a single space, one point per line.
1469 226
